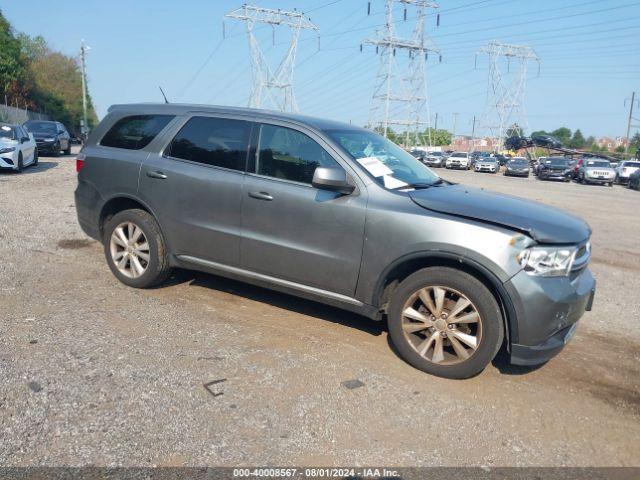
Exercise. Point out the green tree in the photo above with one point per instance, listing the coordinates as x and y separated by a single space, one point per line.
577 141
563 134
438 137
619 149
634 142
15 81
34 75
590 141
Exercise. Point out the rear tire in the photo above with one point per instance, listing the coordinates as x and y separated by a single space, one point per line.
127 254
487 332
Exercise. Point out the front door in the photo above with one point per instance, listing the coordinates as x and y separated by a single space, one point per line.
292 230
195 187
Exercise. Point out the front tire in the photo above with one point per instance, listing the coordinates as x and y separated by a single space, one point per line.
20 163
445 322
55 151
67 151
135 249
35 157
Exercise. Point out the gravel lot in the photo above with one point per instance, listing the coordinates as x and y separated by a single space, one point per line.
93 372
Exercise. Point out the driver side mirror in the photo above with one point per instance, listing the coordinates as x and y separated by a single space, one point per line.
332 178
24 139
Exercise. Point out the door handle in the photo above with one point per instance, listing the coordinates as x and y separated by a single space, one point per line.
158 175
261 196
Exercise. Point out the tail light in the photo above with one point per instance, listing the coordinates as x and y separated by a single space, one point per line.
80 161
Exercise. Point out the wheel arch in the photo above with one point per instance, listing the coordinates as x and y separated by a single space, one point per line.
118 204
408 264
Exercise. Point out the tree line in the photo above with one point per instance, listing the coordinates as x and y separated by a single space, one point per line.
36 77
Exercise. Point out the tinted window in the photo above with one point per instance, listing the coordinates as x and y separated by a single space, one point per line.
7 132
459 155
135 132
48 128
289 154
213 141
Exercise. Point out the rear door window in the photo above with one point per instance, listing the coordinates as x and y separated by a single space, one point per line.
135 132
220 142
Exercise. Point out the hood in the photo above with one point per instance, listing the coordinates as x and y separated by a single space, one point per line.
543 223
5 142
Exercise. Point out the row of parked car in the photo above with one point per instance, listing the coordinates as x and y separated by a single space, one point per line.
20 145
584 170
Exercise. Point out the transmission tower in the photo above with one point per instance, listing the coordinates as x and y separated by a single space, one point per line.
400 94
272 88
506 88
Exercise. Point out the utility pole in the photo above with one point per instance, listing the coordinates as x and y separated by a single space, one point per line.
405 86
506 88
455 123
272 87
473 134
436 123
629 125
84 128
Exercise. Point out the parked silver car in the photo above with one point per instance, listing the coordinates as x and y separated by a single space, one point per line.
337 214
596 170
434 159
489 164
625 170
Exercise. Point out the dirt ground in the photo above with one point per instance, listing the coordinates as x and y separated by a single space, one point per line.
94 372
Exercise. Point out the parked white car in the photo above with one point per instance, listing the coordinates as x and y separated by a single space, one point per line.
458 160
18 148
625 169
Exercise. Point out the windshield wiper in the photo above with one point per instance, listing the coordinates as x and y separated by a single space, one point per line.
418 185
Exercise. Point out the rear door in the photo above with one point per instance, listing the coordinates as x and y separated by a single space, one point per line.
291 230
194 186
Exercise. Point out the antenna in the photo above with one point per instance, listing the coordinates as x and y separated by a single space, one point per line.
165 97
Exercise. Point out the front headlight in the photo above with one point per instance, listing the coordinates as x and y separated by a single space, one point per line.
7 149
547 261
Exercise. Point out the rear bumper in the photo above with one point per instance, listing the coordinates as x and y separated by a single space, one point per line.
547 312
87 203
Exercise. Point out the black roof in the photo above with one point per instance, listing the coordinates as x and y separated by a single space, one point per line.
183 108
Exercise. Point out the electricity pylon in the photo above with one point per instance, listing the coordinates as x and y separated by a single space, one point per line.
272 88
404 87
506 88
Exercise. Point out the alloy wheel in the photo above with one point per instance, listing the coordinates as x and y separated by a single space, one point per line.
442 325
129 250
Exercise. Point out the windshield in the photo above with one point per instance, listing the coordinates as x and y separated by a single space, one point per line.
556 162
459 155
7 132
631 164
489 160
389 164
598 163
436 154
518 161
41 127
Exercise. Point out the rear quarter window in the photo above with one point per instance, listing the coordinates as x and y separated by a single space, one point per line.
135 132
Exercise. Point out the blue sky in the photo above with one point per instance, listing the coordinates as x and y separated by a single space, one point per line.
590 60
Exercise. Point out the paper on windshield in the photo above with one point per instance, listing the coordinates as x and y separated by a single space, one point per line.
378 169
390 182
374 166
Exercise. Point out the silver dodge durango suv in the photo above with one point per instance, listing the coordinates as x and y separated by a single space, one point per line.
340 215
